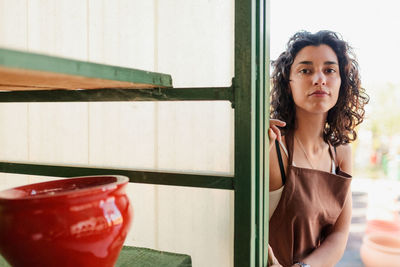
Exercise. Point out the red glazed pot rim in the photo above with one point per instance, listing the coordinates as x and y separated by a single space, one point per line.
63 188
374 240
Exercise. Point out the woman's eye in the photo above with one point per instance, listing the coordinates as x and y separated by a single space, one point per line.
305 71
330 70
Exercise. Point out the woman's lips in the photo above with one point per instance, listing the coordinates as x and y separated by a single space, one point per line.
319 93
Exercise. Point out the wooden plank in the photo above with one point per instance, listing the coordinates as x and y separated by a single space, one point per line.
13 79
62 72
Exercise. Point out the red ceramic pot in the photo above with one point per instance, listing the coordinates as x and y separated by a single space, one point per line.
71 222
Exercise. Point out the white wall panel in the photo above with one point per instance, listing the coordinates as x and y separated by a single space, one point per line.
122 33
8 180
13 117
197 222
123 134
144 230
13 24
13 132
195 136
196 41
58 27
58 132
196 46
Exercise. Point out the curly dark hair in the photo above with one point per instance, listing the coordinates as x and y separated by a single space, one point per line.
347 113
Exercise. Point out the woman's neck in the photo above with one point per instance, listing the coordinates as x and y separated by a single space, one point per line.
309 129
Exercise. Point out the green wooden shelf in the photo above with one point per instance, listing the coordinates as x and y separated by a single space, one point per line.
24 70
30 77
143 257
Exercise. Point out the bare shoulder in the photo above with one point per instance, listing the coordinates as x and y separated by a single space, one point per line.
344 157
343 152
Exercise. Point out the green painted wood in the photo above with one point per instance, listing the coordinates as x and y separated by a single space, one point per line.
142 257
251 182
265 119
244 219
160 94
3 262
135 176
261 126
32 61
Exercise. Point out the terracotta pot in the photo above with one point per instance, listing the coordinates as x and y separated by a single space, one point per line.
380 249
71 222
389 227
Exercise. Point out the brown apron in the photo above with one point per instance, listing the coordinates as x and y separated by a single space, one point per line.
310 204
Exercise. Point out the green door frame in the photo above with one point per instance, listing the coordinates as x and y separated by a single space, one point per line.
251 84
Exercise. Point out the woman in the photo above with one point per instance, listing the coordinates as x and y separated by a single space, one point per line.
317 101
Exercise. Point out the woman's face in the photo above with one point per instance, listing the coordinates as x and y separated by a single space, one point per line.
315 79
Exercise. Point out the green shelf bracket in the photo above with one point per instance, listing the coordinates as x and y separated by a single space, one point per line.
117 94
135 176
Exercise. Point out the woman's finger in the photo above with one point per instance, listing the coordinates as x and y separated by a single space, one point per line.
272 135
277 132
277 122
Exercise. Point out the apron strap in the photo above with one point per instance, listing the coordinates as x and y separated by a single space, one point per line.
333 154
281 166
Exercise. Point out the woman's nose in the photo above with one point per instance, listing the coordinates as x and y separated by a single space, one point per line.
319 78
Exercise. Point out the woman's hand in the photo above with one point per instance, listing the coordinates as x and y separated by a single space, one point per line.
272 261
273 131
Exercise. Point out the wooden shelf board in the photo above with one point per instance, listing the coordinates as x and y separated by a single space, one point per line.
22 71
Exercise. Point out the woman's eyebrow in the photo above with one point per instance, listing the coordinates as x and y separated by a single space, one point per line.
330 63
306 62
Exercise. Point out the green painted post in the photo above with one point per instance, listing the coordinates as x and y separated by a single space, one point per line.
267 23
251 141
244 244
262 100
